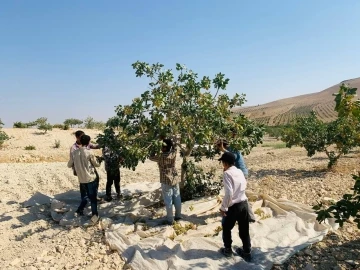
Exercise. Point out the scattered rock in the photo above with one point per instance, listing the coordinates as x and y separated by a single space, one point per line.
309 252
309 266
351 262
15 262
60 249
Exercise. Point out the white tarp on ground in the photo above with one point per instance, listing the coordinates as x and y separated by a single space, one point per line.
135 230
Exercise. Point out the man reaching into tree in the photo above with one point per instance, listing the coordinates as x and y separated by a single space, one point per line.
112 168
169 180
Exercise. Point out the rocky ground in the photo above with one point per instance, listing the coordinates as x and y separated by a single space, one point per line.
30 239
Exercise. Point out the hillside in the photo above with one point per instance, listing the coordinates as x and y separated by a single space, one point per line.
284 110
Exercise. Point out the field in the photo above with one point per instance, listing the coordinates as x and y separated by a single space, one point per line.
30 239
284 111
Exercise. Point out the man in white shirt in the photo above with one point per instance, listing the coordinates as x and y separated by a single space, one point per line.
84 162
234 208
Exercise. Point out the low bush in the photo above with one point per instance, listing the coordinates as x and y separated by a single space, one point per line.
20 125
57 144
59 126
30 147
45 127
3 136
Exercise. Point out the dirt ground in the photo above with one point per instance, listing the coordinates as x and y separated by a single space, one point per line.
30 239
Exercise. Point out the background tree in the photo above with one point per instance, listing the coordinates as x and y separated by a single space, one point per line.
42 124
72 122
183 109
336 138
20 125
3 135
349 206
89 122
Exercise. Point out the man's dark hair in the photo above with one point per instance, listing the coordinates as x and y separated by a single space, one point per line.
168 145
85 140
79 133
228 158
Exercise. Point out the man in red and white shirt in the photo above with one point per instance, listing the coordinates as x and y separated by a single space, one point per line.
77 143
234 207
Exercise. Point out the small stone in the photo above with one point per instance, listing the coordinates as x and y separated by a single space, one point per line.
47 259
15 262
309 252
336 267
300 253
309 266
60 249
351 262
340 256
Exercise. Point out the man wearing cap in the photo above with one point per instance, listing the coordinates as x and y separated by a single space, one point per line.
234 208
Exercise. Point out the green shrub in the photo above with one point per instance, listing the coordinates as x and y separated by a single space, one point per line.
59 126
89 122
30 147
57 144
72 122
198 183
20 125
45 127
3 136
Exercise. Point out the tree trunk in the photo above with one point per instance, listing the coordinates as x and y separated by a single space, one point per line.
183 166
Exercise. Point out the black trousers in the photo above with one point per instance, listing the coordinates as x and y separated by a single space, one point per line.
237 212
112 176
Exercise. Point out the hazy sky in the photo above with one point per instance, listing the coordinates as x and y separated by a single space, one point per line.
63 59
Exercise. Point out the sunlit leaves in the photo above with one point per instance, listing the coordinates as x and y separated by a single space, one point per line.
185 110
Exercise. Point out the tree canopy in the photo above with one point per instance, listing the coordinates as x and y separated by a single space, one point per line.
183 107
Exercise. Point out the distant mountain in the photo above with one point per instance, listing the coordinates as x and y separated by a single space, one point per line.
282 111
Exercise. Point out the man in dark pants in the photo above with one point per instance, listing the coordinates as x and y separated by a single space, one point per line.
76 145
84 162
234 208
112 167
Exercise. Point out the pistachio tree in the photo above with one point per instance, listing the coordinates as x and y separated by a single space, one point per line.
348 109
336 138
179 105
